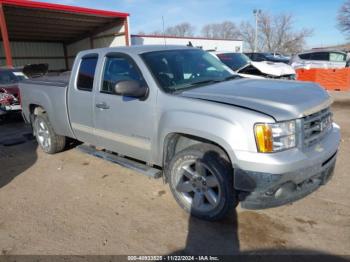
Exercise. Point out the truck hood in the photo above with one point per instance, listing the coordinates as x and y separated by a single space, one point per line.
274 69
282 100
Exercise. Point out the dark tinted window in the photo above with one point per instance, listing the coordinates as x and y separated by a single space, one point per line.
321 56
257 57
248 54
86 73
305 56
7 77
119 68
234 60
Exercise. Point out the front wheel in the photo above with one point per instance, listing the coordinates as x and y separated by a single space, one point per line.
46 137
201 180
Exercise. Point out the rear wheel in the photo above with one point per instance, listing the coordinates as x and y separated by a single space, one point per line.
202 183
46 137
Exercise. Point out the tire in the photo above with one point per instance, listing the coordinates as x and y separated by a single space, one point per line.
46 137
201 180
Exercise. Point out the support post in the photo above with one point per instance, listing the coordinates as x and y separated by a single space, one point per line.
126 31
91 42
66 56
5 38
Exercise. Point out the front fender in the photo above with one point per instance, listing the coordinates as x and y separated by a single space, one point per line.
229 135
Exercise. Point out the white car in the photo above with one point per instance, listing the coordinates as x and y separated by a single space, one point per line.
241 64
319 59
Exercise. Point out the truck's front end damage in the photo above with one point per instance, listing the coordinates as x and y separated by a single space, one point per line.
276 178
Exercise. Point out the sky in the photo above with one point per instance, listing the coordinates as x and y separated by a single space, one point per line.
146 15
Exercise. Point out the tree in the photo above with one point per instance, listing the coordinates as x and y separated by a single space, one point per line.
344 18
275 34
156 32
247 34
224 30
183 29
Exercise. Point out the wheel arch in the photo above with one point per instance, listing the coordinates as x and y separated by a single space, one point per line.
177 141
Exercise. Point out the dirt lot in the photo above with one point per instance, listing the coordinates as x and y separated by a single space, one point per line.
73 203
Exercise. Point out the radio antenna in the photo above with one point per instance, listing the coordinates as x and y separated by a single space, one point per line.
163 30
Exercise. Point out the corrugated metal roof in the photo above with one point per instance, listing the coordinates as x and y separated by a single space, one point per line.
37 21
63 8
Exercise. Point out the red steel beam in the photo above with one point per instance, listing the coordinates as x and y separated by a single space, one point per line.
64 8
5 38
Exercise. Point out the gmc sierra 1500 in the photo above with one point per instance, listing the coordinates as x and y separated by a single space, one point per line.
217 138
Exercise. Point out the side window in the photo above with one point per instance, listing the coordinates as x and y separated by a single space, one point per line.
337 57
305 56
257 57
119 68
320 56
86 73
254 57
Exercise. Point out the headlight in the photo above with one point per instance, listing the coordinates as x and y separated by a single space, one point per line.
275 137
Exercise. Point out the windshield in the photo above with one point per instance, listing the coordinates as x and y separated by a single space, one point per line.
234 60
177 70
11 77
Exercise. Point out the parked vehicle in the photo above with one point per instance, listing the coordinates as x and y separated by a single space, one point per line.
319 59
242 65
271 57
217 138
35 70
9 91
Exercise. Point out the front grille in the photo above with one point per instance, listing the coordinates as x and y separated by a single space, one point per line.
316 126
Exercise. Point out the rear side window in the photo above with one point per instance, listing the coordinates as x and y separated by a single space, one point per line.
320 56
87 73
305 56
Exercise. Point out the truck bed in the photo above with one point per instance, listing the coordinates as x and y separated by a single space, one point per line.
50 93
61 80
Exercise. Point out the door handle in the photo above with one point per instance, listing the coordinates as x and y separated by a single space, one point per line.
102 105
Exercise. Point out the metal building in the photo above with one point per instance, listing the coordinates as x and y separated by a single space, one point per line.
36 32
201 42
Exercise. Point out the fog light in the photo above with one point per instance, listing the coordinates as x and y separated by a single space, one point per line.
285 190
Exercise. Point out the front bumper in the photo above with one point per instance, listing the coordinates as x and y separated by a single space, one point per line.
286 176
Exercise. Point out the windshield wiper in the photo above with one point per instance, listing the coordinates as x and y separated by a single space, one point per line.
193 85
204 82
207 81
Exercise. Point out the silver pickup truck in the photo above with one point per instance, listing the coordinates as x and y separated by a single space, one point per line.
218 139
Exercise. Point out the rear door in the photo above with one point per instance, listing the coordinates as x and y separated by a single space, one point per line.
123 124
81 98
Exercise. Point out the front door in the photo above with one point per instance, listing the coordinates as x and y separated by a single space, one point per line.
123 124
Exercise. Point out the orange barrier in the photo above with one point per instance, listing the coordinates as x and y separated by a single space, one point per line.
330 79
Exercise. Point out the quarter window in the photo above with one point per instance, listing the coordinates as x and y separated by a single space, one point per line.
87 73
119 68
337 57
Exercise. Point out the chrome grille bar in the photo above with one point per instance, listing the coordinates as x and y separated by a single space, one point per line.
316 126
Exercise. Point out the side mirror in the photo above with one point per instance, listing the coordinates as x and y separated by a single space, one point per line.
131 88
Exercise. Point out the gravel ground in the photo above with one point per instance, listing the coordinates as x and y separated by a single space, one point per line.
73 203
